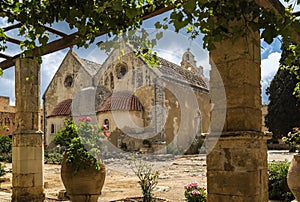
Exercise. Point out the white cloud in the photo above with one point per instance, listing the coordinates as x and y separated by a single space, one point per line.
7 85
269 67
49 66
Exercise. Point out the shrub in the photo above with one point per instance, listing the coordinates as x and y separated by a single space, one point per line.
2 171
54 156
148 177
278 188
293 139
194 193
173 150
5 149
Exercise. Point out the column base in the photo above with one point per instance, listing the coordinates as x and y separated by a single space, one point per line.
237 167
28 194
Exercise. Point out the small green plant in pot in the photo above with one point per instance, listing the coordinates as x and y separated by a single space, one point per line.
194 193
82 159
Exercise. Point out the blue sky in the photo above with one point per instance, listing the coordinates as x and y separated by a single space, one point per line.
171 47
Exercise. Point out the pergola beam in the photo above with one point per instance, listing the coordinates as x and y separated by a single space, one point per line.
12 40
5 56
12 27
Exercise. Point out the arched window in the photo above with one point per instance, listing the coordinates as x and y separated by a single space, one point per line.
197 123
121 70
106 122
68 81
111 81
52 128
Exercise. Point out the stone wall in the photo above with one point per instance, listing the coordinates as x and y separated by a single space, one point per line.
7 116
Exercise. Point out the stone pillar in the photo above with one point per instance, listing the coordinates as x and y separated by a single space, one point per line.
27 151
237 150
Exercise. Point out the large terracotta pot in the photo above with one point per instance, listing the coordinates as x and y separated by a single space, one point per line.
84 185
293 178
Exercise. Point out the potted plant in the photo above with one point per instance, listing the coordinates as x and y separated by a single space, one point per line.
293 177
82 172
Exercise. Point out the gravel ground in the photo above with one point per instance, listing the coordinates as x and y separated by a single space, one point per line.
121 182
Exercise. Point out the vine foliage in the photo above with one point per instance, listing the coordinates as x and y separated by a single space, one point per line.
212 18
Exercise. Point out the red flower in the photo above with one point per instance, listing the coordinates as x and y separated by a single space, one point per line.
106 134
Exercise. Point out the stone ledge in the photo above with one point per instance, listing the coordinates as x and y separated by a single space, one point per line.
240 135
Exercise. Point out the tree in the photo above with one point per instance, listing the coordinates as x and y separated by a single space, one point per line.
284 107
215 19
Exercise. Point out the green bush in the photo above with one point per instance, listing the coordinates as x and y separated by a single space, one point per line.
278 188
2 171
54 156
5 149
173 150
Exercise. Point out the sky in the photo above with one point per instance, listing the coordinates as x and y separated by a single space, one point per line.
171 47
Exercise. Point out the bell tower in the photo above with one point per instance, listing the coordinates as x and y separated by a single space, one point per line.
188 61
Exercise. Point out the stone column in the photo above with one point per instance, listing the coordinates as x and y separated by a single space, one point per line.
27 151
237 150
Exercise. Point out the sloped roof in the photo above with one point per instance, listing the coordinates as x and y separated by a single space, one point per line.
175 72
122 101
90 67
62 109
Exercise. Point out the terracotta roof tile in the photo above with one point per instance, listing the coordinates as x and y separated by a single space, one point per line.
62 109
122 101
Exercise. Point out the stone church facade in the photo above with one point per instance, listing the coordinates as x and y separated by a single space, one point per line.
165 105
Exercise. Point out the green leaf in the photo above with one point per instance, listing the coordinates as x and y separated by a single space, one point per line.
159 35
157 25
268 35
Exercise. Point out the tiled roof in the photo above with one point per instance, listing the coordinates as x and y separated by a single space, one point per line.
122 101
173 71
62 109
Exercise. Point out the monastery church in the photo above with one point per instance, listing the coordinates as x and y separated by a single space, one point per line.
160 106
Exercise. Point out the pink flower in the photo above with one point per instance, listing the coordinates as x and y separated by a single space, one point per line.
88 119
195 192
7 129
194 184
106 134
81 119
